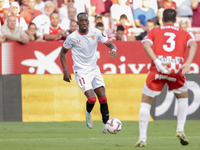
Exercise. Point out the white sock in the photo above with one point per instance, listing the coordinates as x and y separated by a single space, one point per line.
182 113
144 114
104 126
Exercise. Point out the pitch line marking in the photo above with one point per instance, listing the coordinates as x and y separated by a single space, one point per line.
189 137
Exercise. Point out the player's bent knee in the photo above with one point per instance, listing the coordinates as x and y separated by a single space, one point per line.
103 99
92 100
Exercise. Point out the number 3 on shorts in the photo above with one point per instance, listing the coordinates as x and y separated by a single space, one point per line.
82 81
171 41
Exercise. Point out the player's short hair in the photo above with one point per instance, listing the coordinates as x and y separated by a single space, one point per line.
53 13
151 21
120 27
123 16
49 2
81 13
169 15
99 24
72 21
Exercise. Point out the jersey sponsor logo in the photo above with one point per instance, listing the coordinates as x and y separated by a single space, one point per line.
166 77
93 37
175 62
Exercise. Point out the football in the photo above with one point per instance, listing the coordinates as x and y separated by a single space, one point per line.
113 125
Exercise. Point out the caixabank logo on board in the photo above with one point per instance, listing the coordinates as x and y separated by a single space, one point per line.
164 106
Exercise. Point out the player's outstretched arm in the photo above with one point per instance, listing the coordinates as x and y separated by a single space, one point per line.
67 75
113 49
193 48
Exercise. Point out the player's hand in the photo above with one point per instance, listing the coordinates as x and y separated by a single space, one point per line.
113 53
67 76
162 67
185 68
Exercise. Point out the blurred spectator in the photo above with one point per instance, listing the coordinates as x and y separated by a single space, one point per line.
143 13
123 21
44 18
1 12
49 8
83 6
53 31
101 27
63 10
65 23
30 13
107 5
14 10
148 27
98 18
119 35
196 13
32 33
73 27
97 7
184 26
183 8
158 21
23 5
2 38
39 5
117 10
152 4
13 33
168 4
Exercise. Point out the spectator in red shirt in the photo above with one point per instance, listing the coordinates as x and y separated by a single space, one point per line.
97 7
196 13
119 35
73 27
30 13
53 31
168 4
123 21
1 12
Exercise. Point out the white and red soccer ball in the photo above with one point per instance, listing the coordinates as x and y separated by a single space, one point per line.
113 125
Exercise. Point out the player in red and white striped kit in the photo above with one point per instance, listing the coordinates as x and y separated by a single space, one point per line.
166 46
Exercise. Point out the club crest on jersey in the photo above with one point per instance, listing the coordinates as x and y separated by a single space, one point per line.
93 37
83 88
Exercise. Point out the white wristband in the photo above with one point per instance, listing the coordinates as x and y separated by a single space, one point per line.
114 50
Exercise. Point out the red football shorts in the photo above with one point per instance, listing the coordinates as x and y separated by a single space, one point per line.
156 81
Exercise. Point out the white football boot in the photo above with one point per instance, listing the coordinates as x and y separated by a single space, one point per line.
88 117
181 136
105 131
141 143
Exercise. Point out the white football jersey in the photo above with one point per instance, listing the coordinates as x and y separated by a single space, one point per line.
84 47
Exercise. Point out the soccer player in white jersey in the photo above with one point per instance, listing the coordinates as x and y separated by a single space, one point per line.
83 44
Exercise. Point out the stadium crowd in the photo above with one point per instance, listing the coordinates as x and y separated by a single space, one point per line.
122 20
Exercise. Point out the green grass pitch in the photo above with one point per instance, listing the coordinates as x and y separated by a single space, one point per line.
76 136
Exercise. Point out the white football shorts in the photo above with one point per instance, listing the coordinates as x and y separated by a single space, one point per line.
90 79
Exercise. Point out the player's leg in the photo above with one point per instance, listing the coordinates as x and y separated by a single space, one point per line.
89 106
182 100
100 92
84 81
144 114
99 88
181 93
152 87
